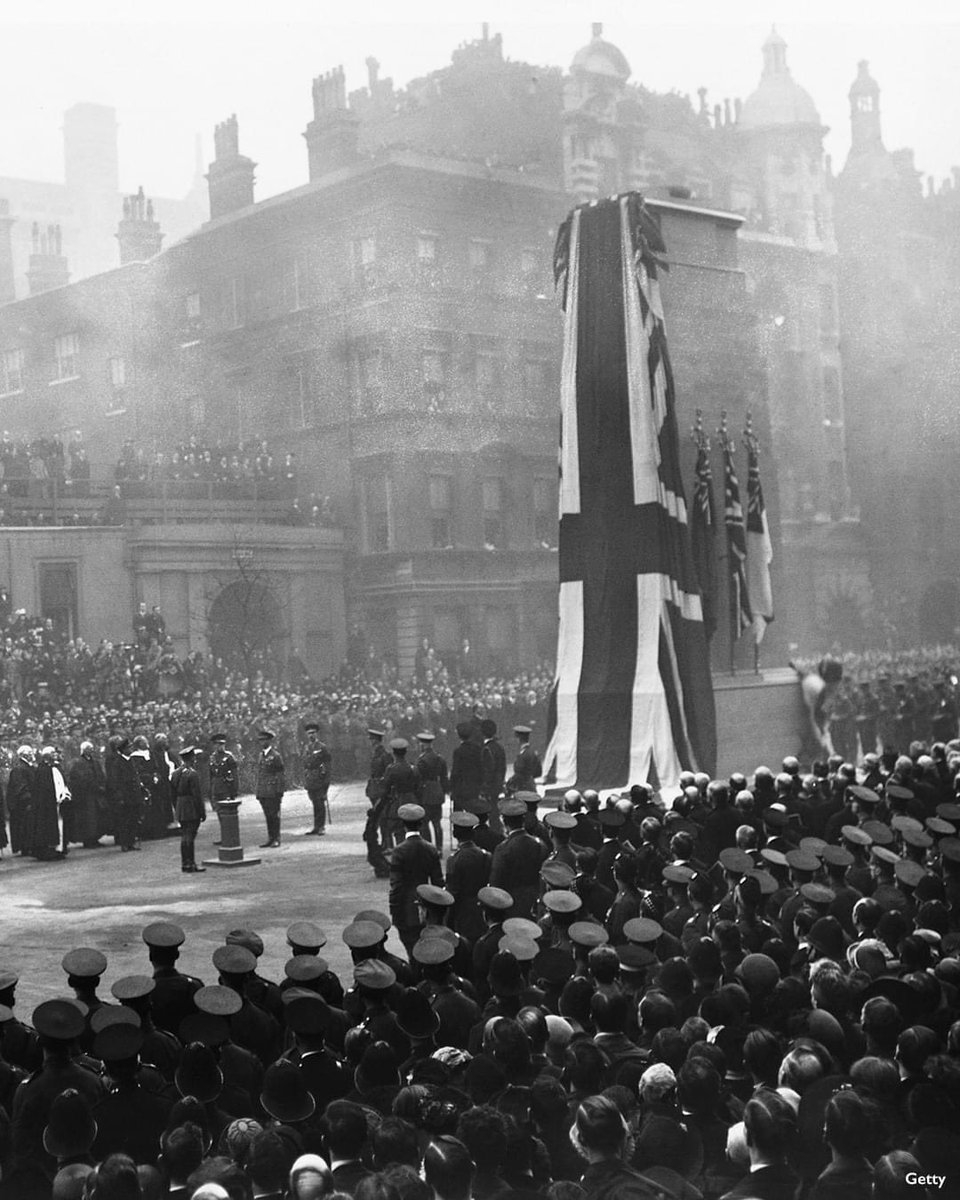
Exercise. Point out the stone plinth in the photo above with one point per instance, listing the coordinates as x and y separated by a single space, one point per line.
230 851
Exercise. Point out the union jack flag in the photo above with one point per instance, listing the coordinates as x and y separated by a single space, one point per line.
759 548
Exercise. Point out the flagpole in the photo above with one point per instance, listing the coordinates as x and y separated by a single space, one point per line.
723 437
752 444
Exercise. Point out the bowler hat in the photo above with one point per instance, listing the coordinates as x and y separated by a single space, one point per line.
415 1016
70 1129
284 1094
198 1074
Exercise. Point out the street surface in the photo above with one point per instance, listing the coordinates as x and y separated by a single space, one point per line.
103 898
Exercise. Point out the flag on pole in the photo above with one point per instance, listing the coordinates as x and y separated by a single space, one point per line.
759 547
632 697
703 530
741 615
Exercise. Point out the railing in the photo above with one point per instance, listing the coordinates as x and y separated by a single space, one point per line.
160 502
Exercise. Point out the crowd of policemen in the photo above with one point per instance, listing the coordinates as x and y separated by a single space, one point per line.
751 994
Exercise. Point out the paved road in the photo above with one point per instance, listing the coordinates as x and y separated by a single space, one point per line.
103 898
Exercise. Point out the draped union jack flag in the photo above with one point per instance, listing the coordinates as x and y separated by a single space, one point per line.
632 698
741 614
759 546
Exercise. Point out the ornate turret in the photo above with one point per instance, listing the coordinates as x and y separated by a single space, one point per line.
778 99
865 134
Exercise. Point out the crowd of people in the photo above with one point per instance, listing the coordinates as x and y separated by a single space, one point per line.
42 468
751 994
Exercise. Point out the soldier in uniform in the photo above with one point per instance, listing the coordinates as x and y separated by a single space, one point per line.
517 860
376 794
188 806
224 775
434 785
527 767
172 998
316 777
867 715
466 770
413 862
401 786
468 871
271 784
493 760
495 905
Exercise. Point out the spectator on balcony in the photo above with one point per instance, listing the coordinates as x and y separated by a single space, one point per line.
39 487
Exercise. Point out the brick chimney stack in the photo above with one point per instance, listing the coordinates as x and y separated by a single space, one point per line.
230 178
333 136
139 231
48 264
7 278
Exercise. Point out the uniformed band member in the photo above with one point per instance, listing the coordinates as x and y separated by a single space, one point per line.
316 778
271 785
189 809
224 775
376 793
432 770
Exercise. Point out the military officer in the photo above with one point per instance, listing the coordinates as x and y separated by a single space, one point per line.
517 860
376 793
271 784
316 777
434 785
413 862
224 775
527 767
468 871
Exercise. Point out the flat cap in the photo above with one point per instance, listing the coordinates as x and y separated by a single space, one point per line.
560 820
642 930
940 828
495 898
949 811
837 856
374 975
768 885
305 933
164 934
635 958
812 845
523 949
735 861
909 873
562 902
882 834
513 807
431 951
521 729
133 987
61 1019
894 791
919 839
523 928
438 897
362 934
865 795
588 934
557 874
309 1014
426 737
247 938
901 822
797 860
856 836
217 1000
678 873
113 1014
117 1042
464 820
411 812
818 895
304 968
399 744
776 857
84 963
882 854
234 960
375 915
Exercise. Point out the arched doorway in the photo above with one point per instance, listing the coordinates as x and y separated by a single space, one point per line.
245 627
939 613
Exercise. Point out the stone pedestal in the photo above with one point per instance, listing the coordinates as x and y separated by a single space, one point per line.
229 852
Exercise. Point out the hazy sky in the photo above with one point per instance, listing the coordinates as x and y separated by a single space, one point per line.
173 69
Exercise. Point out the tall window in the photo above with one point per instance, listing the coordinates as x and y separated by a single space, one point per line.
118 373
364 260
428 259
11 372
441 511
58 596
66 356
545 512
492 504
378 522
433 369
